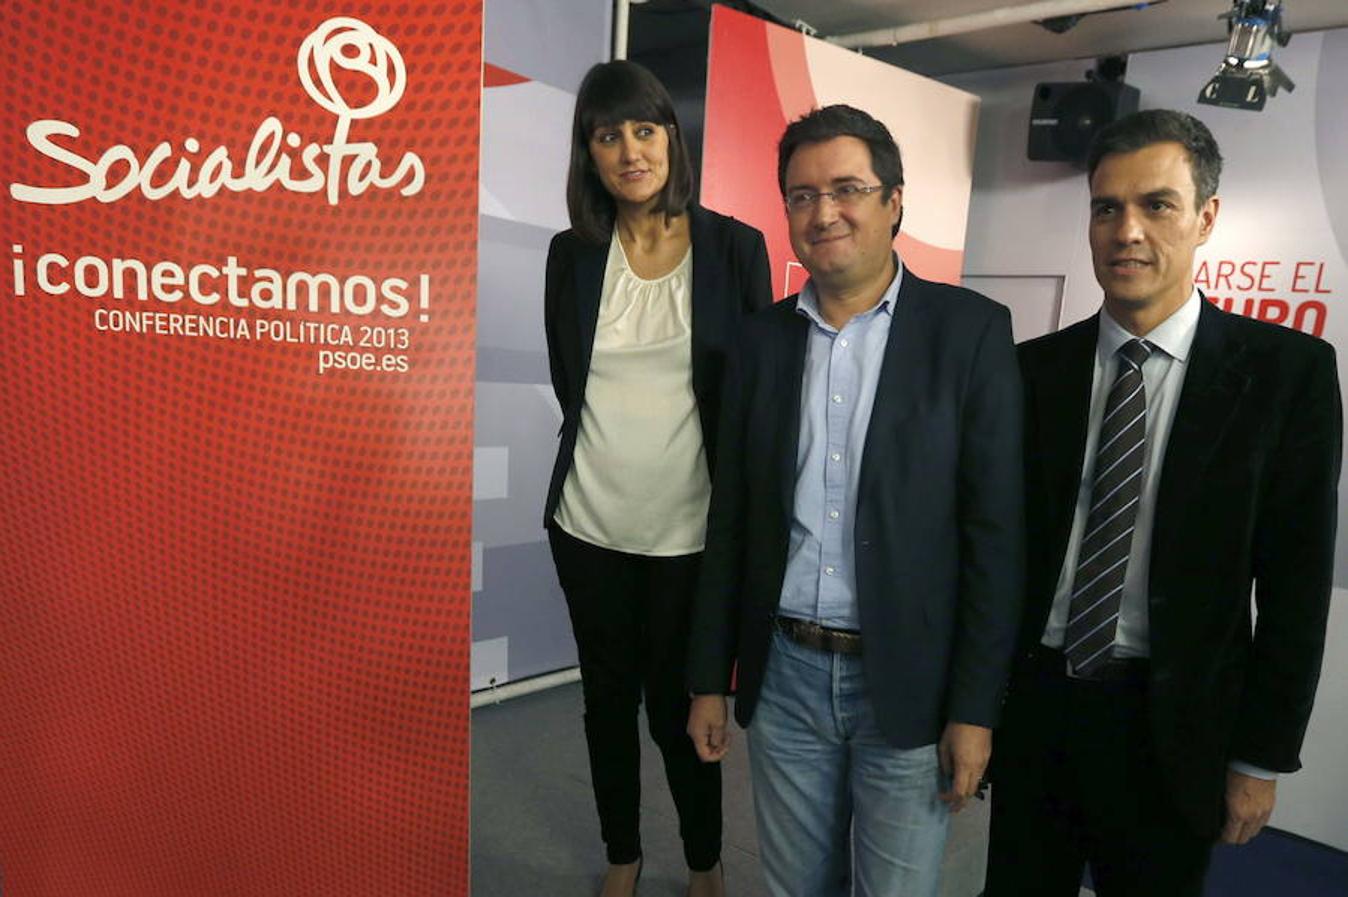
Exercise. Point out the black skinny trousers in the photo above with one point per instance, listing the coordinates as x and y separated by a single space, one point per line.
630 615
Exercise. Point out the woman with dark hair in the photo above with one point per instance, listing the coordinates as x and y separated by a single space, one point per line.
642 301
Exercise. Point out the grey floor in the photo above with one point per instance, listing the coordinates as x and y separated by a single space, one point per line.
535 831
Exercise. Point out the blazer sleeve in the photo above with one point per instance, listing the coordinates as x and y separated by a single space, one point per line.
713 631
556 281
757 291
991 518
1293 567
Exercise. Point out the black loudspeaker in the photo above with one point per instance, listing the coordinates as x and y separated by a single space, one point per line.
1064 118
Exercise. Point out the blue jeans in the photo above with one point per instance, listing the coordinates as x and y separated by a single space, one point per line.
823 771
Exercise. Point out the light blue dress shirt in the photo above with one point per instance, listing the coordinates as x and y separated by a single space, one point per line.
842 368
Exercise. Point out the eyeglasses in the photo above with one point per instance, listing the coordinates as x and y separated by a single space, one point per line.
846 195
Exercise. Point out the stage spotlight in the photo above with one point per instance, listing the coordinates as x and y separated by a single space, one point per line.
1248 76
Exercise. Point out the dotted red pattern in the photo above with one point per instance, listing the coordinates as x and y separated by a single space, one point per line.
234 593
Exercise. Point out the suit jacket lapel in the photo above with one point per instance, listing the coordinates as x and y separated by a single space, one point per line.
790 372
589 273
1061 403
906 350
706 287
1213 386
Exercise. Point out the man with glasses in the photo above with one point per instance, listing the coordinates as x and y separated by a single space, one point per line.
864 547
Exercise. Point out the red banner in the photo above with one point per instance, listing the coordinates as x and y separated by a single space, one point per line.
236 381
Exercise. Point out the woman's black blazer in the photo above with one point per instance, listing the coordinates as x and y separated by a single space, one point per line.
730 279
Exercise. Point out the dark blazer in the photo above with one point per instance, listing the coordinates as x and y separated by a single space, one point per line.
1247 494
730 279
938 521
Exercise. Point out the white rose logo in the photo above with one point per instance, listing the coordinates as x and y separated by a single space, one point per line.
275 157
356 47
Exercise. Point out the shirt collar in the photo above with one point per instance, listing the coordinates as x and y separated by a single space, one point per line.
807 303
1174 335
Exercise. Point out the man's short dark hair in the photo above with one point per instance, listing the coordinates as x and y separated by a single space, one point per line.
1151 126
610 94
841 120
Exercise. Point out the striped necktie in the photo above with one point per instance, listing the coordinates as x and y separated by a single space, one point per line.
1093 614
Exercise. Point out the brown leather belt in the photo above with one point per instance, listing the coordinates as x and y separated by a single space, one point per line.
812 635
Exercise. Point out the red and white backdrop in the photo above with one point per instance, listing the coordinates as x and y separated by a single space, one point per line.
761 76
236 388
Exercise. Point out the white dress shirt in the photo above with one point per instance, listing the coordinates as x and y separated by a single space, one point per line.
1163 380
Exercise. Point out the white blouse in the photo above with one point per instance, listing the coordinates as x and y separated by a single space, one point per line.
638 481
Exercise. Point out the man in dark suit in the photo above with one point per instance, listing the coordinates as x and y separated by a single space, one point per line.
864 545
1175 455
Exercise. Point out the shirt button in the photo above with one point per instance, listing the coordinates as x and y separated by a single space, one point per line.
832 515
837 400
828 571
836 456
843 343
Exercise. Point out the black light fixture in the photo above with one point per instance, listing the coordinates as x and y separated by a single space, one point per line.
1248 76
